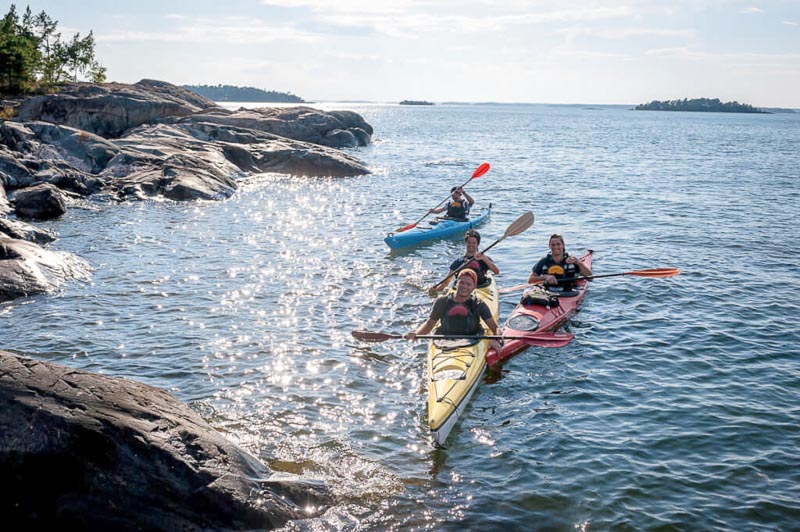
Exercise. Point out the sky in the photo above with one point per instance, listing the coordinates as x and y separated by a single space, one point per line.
578 51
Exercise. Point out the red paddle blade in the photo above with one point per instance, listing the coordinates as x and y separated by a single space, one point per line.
547 339
480 170
656 272
406 227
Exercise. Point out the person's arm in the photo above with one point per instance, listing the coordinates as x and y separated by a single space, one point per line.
468 197
453 268
437 211
425 328
582 268
496 344
488 262
492 326
430 323
537 275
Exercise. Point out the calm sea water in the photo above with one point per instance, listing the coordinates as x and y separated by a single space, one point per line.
675 407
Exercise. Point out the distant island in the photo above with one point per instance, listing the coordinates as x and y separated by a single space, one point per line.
699 104
415 102
230 93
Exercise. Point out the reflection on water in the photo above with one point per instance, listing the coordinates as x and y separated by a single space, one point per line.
675 398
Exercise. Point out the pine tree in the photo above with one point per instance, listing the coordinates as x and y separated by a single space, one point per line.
34 58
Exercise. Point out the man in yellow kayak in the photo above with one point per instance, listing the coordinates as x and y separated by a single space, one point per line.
474 259
459 313
557 265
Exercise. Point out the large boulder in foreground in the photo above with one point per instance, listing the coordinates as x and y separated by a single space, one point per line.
90 452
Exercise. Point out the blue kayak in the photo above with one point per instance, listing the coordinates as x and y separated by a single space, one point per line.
440 228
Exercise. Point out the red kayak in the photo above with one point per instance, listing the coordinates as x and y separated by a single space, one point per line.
539 314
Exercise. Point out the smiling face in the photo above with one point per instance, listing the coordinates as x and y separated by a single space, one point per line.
556 247
472 245
464 287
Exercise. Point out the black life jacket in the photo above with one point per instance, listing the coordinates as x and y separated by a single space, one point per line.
458 209
461 318
561 270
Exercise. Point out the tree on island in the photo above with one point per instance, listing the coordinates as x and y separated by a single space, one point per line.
230 93
415 102
34 59
699 104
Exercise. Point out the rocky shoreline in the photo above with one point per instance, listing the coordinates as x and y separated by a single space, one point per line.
99 452
150 139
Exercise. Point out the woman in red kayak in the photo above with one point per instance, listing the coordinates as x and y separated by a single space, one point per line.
558 265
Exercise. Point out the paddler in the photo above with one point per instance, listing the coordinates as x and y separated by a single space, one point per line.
558 265
458 206
459 313
472 259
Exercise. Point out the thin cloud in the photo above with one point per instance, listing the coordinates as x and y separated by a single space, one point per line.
411 26
743 59
591 54
626 33
349 6
233 30
751 10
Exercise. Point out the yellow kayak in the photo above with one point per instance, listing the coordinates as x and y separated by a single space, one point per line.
454 370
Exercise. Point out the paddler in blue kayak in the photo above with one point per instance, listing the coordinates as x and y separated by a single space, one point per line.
458 206
558 265
459 313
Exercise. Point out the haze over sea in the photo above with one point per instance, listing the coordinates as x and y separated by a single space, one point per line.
675 407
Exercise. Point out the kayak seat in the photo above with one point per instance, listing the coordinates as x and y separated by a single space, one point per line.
451 344
523 322
450 374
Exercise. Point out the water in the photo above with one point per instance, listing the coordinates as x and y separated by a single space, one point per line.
675 407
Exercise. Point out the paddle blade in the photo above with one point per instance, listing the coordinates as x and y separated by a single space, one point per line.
479 171
406 227
547 339
519 225
656 272
369 336
510 289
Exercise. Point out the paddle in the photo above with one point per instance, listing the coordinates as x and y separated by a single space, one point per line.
482 169
534 339
517 226
653 272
